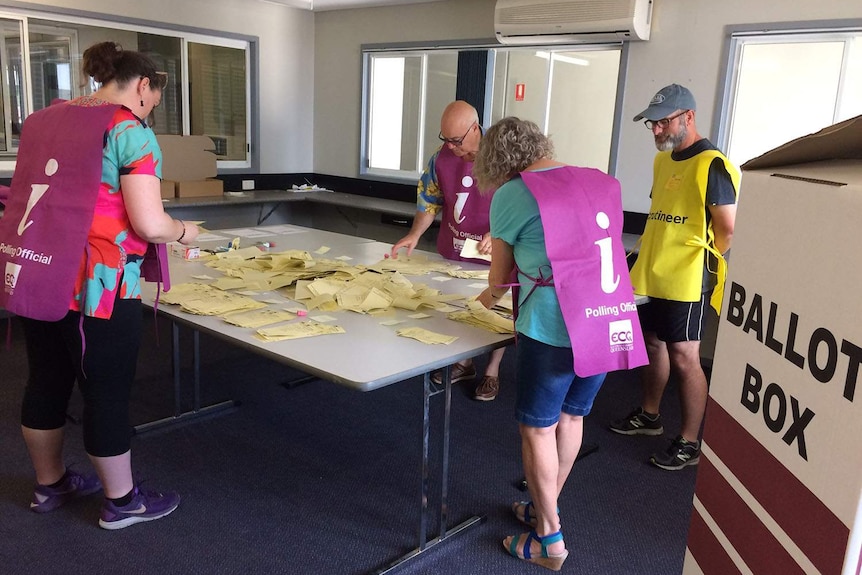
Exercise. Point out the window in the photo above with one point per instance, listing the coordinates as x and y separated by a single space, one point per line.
570 92
406 97
208 78
218 97
786 85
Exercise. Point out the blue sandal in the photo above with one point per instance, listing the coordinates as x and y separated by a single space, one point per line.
545 559
527 516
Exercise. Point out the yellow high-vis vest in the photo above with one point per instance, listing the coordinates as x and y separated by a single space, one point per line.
676 237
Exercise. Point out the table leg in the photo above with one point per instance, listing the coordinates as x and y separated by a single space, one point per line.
444 473
429 391
197 411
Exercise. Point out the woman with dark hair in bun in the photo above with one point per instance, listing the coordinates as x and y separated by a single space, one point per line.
84 207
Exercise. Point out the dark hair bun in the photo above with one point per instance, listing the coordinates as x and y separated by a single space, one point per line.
108 62
100 61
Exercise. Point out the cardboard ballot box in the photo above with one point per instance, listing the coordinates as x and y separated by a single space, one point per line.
779 484
188 167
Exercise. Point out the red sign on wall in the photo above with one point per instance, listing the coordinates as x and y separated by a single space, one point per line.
519 92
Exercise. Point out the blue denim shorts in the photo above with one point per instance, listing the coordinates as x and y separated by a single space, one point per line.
547 384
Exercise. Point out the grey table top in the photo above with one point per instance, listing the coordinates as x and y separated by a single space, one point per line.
369 355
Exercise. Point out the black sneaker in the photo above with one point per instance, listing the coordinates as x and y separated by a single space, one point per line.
638 423
681 453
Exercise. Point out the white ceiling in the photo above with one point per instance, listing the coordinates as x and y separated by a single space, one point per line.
321 5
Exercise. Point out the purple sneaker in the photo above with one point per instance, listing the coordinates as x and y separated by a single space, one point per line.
145 506
74 485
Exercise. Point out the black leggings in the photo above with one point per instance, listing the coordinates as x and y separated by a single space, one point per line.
54 359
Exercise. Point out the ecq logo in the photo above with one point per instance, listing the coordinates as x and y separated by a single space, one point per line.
10 279
620 332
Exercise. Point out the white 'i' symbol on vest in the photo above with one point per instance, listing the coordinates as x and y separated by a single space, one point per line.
466 182
606 252
36 193
459 206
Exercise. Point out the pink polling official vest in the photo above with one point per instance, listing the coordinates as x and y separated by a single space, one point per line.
466 212
43 232
582 217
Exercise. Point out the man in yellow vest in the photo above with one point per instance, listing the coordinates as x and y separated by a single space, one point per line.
680 268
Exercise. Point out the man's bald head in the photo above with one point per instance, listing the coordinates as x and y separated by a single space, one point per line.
459 112
461 120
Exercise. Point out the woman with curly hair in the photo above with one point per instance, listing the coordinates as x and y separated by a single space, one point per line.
559 227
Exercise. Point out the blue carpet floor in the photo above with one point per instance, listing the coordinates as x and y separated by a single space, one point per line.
319 479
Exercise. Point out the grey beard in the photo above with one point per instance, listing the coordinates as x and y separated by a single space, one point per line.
666 146
672 141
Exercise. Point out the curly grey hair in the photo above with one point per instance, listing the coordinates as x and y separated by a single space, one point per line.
506 149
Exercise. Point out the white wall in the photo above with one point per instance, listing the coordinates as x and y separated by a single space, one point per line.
338 64
310 65
686 46
286 38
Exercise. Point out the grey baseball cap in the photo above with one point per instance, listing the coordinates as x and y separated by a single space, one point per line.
667 101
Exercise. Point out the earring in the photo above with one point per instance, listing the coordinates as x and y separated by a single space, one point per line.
142 102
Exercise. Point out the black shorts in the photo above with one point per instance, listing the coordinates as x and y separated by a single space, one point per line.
674 321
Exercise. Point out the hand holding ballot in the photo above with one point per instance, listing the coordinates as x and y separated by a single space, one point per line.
477 250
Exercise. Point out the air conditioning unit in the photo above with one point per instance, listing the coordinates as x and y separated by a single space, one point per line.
571 21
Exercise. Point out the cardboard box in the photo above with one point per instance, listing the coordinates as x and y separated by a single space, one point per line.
779 486
169 190
198 188
190 163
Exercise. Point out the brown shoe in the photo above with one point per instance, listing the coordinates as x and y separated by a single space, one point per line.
487 389
457 372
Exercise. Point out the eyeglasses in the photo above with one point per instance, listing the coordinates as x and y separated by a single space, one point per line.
663 123
163 79
159 81
457 142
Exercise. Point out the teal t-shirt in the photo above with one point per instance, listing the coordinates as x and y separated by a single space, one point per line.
515 219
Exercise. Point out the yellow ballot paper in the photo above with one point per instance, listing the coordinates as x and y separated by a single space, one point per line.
296 331
258 317
426 336
182 291
226 283
239 253
202 299
220 303
362 299
469 274
477 315
415 265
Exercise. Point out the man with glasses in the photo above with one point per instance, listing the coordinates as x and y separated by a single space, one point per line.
447 185
680 267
